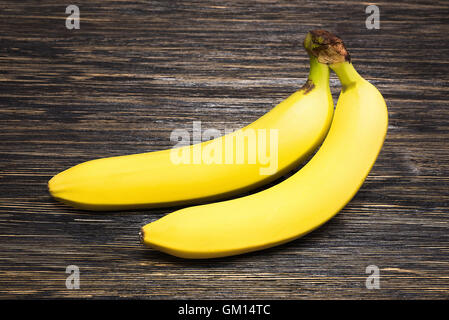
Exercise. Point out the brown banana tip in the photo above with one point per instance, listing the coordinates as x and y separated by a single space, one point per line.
50 185
141 235
326 47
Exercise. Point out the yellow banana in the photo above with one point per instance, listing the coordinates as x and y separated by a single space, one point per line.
154 179
302 202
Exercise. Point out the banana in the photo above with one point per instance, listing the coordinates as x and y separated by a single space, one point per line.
304 201
299 125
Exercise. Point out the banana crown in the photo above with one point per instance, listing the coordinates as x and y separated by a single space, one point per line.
326 47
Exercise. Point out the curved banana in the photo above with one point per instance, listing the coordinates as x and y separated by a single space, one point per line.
302 202
179 176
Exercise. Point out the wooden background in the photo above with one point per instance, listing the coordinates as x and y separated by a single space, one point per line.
136 70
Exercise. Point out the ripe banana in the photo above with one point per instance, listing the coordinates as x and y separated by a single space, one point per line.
153 179
302 202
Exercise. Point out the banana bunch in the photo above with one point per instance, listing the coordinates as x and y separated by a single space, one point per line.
353 137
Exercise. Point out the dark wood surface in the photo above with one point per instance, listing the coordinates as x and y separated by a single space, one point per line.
136 70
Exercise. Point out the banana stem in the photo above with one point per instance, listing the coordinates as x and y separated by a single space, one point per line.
326 48
346 73
319 72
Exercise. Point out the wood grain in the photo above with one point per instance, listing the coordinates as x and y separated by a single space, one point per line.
136 70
